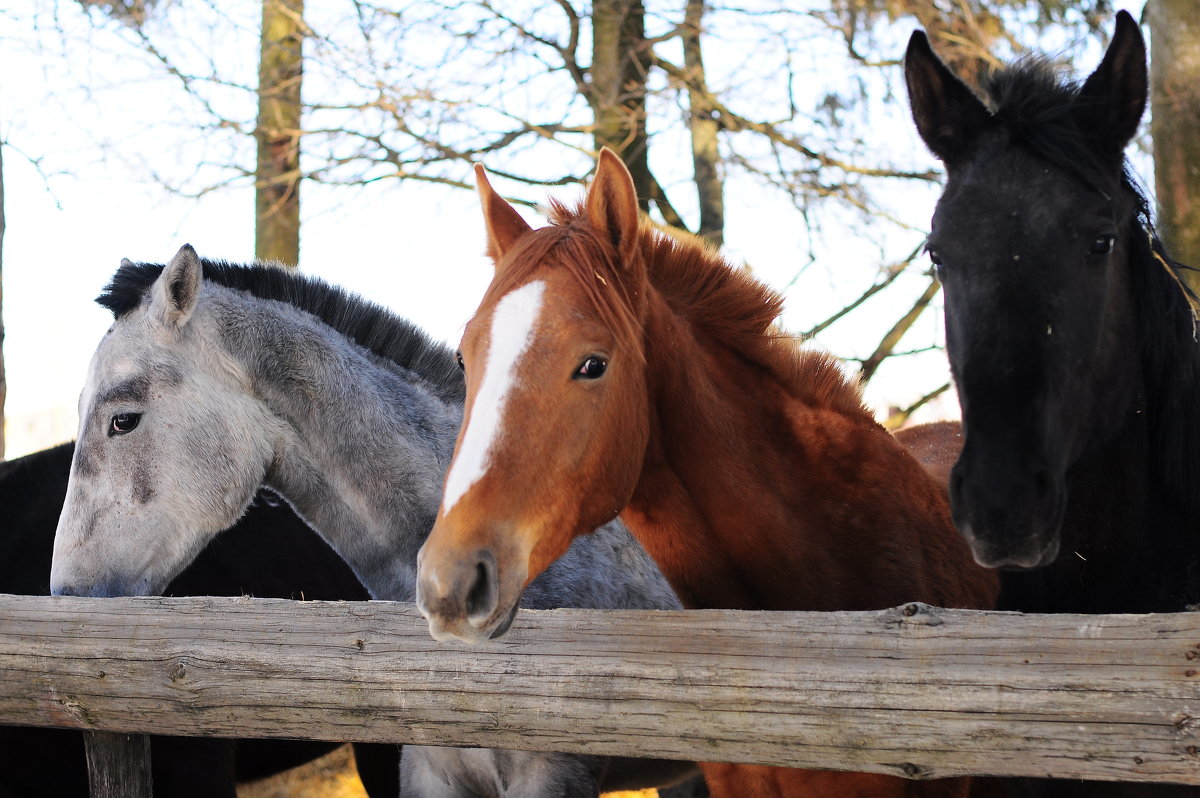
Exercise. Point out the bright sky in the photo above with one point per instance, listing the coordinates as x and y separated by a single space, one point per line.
413 248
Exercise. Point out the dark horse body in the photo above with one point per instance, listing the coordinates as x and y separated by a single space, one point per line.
1073 345
49 763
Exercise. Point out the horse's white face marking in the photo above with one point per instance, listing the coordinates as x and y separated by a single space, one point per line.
513 325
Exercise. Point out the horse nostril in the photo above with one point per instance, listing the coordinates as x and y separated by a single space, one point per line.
484 593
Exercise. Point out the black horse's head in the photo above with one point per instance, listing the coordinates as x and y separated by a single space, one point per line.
1031 240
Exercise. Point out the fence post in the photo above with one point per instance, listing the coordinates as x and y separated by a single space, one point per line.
118 764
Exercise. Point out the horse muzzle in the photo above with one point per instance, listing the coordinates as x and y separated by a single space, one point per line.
462 599
1014 522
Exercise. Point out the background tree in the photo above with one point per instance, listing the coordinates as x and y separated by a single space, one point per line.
770 105
704 128
278 131
1175 119
3 384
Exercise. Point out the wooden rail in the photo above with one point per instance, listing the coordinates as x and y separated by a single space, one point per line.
913 691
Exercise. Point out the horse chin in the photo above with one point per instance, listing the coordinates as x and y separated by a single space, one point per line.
502 627
469 631
107 588
1015 552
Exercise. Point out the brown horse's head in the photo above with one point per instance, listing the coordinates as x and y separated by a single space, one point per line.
556 420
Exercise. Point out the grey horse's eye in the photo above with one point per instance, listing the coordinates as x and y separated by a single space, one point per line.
122 423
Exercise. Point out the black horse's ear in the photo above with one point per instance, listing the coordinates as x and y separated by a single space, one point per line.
947 113
1113 98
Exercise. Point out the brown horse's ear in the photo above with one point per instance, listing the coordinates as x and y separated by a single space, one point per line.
504 224
612 205
1113 98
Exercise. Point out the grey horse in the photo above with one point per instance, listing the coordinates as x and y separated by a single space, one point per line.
217 378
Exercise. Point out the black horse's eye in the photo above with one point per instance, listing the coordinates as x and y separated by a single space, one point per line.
1104 245
591 368
934 257
461 366
122 423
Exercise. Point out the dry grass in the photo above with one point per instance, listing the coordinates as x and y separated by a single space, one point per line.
333 776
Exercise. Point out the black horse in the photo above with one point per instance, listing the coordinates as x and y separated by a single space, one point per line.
49 763
1072 340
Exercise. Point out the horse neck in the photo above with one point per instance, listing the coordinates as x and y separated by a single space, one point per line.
743 483
361 446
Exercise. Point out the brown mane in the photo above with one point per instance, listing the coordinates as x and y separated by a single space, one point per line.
728 304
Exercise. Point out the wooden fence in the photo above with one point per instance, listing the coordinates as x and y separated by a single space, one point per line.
913 691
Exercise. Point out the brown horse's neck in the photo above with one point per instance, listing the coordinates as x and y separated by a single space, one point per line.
752 497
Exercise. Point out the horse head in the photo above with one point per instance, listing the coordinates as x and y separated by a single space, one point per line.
556 424
1032 240
157 409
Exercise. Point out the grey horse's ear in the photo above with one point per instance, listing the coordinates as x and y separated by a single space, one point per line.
178 288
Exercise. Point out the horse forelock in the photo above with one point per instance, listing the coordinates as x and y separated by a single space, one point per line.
362 321
1037 106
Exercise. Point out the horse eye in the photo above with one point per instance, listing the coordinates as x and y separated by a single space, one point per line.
122 423
934 257
1104 245
461 366
591 368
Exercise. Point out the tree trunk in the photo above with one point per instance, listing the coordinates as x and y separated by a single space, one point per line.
620 62
277 182
1175 118
704 128
3 382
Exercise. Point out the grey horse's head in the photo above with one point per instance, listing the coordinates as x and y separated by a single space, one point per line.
171 445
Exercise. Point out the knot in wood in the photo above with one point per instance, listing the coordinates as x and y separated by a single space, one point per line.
178 671
1187 723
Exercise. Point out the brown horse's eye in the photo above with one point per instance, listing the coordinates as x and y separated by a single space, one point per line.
122 423
591 368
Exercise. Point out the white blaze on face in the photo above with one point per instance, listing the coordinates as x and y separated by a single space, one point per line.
513 323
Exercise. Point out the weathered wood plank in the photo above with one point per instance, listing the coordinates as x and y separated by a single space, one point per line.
118 765
911 691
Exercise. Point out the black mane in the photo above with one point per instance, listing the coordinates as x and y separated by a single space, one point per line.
361 320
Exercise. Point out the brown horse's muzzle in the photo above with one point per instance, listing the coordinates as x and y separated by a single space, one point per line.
464 597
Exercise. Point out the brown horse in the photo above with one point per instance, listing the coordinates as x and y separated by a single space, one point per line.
614 370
